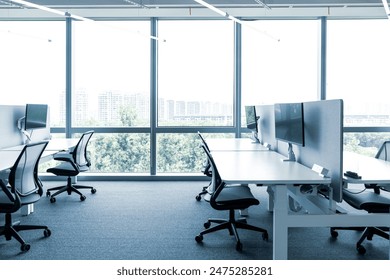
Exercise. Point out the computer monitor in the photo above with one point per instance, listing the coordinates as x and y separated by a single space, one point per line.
289 125
36 116
251 121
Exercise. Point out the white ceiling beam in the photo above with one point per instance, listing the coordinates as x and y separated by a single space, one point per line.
196 13
386 6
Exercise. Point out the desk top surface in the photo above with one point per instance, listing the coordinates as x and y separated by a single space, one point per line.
263 168
372 170
9 155
56 144
234 144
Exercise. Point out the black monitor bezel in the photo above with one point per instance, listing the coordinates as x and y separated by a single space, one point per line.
253 124
284 107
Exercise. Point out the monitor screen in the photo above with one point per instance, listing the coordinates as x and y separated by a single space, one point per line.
289 123
251 118
36 116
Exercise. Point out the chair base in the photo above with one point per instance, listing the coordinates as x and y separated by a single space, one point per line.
368 233
69 188
232 224
10 230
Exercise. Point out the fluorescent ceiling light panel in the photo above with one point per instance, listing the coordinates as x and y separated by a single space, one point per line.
61 13
225 14
218 11
47 9
136 4
262 4
387 9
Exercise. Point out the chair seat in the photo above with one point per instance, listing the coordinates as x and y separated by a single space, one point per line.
369 201
236 196
63 169
5 203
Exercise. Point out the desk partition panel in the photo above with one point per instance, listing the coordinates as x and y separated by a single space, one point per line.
266 124
323 123
324 140
10 134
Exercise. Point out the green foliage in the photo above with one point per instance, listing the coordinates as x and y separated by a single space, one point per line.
122 153
364 143
179 153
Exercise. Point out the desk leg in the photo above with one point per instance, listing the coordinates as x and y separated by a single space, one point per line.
27 209
270 192
280 234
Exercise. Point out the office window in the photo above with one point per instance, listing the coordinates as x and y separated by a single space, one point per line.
195 73
279 62
357 70
32 67
120 153
181 152
111 74
364 143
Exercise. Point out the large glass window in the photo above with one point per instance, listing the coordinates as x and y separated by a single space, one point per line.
120 153
181 152
111 74
195 73
32 67
279 62
364 143
357 70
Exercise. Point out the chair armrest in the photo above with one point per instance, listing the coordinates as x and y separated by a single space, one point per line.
63 156
7 191
67 157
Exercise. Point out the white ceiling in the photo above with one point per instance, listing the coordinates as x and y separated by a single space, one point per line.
189 8
217 3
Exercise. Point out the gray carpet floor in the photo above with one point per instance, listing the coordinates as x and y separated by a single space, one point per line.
158 221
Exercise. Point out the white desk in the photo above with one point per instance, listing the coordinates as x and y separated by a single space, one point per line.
372 170
268 168
9 155
234 144
55 144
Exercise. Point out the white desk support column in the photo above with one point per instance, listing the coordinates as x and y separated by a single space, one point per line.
280 232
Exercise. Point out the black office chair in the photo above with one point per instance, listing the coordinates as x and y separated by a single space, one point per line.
24 188
206 170
73 163
372 199
230 198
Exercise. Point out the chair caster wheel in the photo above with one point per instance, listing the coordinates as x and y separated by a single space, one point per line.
47 193
265 236
82 197
25 247
334 233
52 199
361 250
199 238
207 225
47 232
93 191
239 246
198 197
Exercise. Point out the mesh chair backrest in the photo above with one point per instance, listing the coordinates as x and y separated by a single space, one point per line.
24 174
384 151
203 141
216 179
80 151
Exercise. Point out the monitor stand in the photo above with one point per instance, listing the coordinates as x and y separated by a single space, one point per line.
290 153
255 138
21 124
